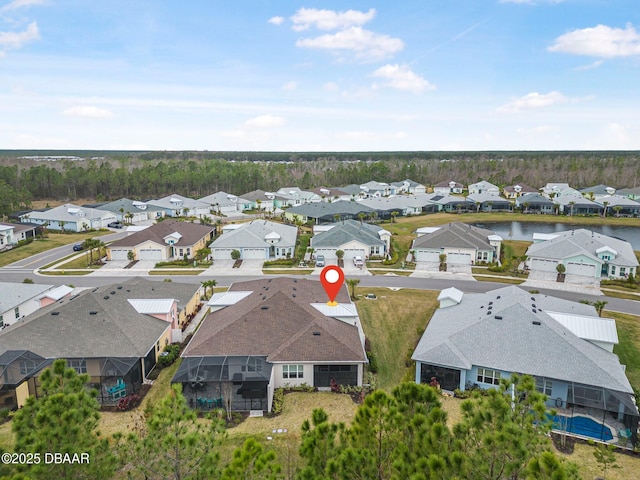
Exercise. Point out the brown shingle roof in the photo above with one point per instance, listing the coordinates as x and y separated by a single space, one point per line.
273 322
191 234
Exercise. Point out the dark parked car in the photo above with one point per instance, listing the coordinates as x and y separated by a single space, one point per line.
77 247
115 225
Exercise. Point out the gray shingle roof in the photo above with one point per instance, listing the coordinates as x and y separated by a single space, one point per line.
128 205
277 320
347 231
586 242
456 235
465 334
114 330
14 294
325 209
253 234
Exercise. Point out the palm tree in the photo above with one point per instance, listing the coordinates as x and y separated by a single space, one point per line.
361 216
394 214
599 305
443 262
353 282
617 209
605 205
571 204
208 284
62 224
340 255
336 217
526 207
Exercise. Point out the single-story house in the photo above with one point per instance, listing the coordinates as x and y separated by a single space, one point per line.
483 187
12 233
576 204
617 205
348 192
70 218
271 333
462 244
410 187
475 340
133 211
260 200
377 189
556 190
517 190
326 194
164 241
450 203
403 205
226 203
489 202
597 191
292 196
448 187
19 300
256 240
324 212
114 333
583 253
354 239
178 206
632 193
535 203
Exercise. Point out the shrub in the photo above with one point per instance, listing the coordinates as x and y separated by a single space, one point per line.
373 363
278 401
172 351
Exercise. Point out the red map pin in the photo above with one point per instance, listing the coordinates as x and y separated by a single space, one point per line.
332 279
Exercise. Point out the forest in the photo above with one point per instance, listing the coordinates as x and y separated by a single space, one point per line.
104 176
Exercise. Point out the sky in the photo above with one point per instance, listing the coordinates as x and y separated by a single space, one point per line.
280 75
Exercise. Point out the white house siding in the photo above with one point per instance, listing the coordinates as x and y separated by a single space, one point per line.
253 254
280 381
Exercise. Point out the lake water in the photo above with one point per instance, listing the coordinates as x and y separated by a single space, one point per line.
525 230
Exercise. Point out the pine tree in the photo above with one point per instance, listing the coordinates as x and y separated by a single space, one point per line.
252 462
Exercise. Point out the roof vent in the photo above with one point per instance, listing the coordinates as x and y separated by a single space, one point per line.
295 280
534 305
316 334
498 297
490 303
120 287
498 317
293 295
106 297
55 313
94 289
264 307
93 312
295 289
481 306
537 322
533 299
113 292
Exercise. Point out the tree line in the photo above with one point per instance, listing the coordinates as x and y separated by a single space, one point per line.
402 435
196 174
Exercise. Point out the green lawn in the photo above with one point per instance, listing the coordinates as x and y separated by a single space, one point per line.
628 348
393 324
43 244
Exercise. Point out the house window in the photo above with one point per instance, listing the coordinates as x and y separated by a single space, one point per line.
488 376
188 252
544 386
17 312
1 321
80 366
622 271
613 269
181 252
292 371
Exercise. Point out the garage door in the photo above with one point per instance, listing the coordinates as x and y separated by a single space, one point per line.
150 254
424 256
584 269
329 254
221 253
253 254
543 265
349 253
459 258
119 254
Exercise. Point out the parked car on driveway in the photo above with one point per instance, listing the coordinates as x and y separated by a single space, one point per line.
115 225
77 247
320 261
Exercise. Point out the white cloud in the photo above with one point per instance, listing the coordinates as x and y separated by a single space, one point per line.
88 112
330 87
539 130
265 121
21 3
290 85
533 100
401 77
17 39
366 45
589 66
276 20
600 41
306 18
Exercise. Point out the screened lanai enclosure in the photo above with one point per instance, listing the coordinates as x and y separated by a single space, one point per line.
113 378
598 413
15 367
238 383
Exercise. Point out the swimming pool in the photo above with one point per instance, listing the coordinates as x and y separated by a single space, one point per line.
583 426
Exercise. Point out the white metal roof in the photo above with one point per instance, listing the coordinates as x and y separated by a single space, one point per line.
340 310
150 306
58 292
224 299
451 293
426 230
588 328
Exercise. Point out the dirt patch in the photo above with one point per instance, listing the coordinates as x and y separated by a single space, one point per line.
563 443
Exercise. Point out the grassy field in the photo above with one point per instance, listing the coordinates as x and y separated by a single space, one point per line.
43 244
628 348
393 324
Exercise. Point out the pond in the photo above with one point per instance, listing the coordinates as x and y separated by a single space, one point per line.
525 230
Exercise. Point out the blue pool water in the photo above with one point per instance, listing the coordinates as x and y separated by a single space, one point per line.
585 426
